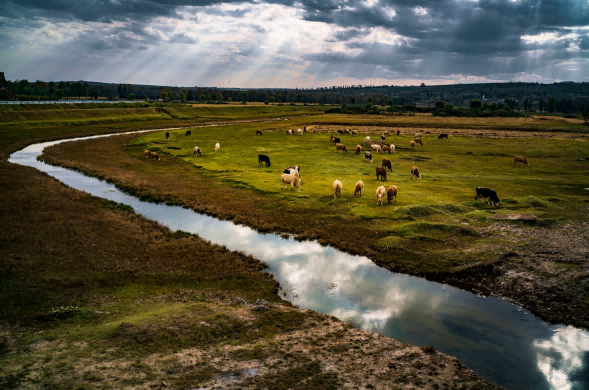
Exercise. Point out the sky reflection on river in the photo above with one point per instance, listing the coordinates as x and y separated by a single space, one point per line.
500 341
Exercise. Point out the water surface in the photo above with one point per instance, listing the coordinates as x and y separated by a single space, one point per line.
500 341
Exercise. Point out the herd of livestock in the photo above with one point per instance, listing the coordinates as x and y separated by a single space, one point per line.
291 176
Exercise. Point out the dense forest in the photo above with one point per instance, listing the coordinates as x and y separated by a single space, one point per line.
564 97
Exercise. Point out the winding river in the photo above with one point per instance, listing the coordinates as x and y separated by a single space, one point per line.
499 340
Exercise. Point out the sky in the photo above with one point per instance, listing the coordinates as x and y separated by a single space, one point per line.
289 44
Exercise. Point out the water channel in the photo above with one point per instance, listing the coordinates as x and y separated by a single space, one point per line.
501 341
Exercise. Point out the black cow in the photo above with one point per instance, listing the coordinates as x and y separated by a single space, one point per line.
442 136
263 159
340 131
258 132
336 140
167 135
483 192
368 156
382 137
188 133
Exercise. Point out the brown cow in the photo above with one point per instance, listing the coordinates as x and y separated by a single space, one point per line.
386 163
341 147
392 193
385 148
147 153
522 160
358 149
418 141
381 173
154 156
415 173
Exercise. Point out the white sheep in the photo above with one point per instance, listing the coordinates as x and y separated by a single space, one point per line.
392 148
300 131
217 147
366 140
294 182
377 148
337 189
380 191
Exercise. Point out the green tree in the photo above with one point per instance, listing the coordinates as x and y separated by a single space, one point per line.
279 98
164 96
271 99
170 96
229 99
541 105
475 104
510 103
59 93
551 104
449 107
182 97
244 96
526 104
440 104
352 100
131 96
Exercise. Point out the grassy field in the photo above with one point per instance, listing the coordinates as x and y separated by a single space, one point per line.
435 228
93 296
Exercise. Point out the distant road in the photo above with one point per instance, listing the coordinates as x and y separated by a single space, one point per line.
69 101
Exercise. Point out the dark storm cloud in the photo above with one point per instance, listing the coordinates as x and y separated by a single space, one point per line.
439 39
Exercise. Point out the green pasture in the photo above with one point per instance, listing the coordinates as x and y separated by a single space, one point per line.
451 170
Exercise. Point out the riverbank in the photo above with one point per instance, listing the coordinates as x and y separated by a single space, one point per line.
94 296
486 256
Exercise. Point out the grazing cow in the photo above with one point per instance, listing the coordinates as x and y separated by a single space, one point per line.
336 140
392 148
359 188
346 131
289 132
418 141
154 156
417 135
294 182
387 133
300 131
385 148
377 148
341 147
147 153
415 173
382 138
367 156
354 132
380 191
358 149
258 132
217 147
442 136
412 144
381 173
197 152
167 135
188 133
331 139
392 193
340 131
386 163
522 160
398 132
367 140
483 192
294 170
263 159
337 189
